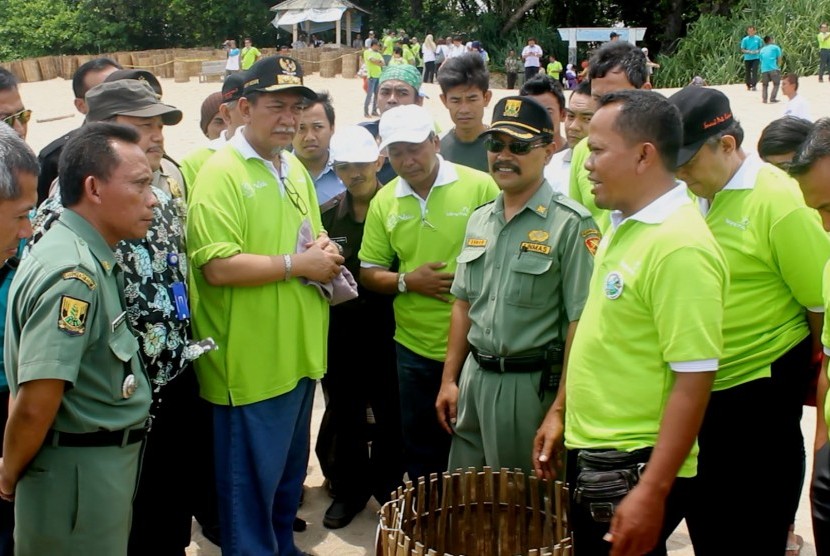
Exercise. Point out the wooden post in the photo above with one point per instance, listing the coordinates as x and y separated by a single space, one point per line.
338 33
349 28
294 34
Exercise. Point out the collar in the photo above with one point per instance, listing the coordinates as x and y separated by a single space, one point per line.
659 209
746 175
562 156
539 202
329 167
247 151
84 230
219 142
446 175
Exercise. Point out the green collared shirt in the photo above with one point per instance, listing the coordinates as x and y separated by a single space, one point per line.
526 279
67 321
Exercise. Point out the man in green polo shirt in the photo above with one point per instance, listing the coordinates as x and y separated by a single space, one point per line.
823 37
645 354
776 250
374 66
250 271
811 167
419 219
615 66
250 54
76 430
520 287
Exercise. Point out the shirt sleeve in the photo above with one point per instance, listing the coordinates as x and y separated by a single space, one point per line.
214 218
800 246
55 320
577 263
686 292
376 247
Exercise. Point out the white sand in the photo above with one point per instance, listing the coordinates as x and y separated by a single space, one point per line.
49 99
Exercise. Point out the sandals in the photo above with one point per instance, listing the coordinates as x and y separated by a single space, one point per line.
794 549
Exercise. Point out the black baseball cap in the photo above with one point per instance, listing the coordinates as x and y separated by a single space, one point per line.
521 117
705 113
128 97
137 74
232 86
277 74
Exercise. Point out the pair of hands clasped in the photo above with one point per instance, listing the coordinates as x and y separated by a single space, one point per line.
321 261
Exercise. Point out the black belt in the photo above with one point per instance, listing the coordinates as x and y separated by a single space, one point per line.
96 439
515 364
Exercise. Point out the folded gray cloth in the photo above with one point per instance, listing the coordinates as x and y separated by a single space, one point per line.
342 288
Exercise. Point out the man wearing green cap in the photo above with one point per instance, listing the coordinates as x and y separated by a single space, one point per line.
74 437
155 276
251 201
520 286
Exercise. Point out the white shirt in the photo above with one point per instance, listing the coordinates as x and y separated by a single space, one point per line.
798 107
558 171
428 53
533 54
456 51
242 145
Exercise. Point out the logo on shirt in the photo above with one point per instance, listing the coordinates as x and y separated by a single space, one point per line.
249 189
538 235
394 219
72 318
742 225
463 212
614 285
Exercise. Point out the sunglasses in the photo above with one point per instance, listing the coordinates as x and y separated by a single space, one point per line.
298 202
516 147
23 117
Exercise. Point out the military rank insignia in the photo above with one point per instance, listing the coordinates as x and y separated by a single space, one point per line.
73 313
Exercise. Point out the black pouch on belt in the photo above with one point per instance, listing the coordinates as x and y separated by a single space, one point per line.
605 477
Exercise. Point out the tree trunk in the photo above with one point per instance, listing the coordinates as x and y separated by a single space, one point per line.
673 22
416 9
518 15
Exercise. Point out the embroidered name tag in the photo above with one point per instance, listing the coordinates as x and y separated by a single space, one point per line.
475 242
536 247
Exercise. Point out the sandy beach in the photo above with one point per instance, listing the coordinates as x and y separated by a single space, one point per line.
54 99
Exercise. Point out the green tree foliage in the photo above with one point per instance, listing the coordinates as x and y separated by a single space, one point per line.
711 47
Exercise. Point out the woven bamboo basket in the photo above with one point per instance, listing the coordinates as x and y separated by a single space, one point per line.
477 513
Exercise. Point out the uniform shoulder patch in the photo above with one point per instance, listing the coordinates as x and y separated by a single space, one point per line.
569 203
78 275
592 237
73 314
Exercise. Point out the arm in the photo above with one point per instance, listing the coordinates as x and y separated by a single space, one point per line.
425 280
638 520
255 270
457 349
34 410
548 446
821 396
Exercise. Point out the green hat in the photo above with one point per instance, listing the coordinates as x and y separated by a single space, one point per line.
403 72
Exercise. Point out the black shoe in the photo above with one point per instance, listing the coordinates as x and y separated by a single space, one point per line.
753 88
299 525
341 514
773 101
329 487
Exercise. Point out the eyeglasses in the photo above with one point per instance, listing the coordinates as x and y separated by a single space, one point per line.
298 202
23 117
516 147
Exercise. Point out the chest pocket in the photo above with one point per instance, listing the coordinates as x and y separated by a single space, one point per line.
124 346
527 283
473 260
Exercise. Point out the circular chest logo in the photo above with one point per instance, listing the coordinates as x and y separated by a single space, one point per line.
613 285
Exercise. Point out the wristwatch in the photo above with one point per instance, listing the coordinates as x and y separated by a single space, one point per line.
401 282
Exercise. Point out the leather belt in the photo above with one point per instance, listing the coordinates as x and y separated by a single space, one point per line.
98 439
512 364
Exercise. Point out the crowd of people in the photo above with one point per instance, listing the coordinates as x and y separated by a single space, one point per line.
605 288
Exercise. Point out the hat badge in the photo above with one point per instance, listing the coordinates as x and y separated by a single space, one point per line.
288 65
512 107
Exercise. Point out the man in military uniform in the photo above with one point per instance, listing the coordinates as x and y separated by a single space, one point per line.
18 193
155 274
510 330
82 396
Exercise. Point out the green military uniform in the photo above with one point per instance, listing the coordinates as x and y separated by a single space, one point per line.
67 321
525 281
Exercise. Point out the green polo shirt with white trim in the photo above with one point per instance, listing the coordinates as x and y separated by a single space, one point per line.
418 231
776 249
654 309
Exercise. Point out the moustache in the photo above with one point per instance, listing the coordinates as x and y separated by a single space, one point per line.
505 166
284 130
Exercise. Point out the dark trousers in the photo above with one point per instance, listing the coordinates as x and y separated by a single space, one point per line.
511 80
820 499
371 96
824 62
261 459
163 505
739 503
588 533
792 376
530 71
362 372
426 445
429 72
766 77
751 72
6 508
